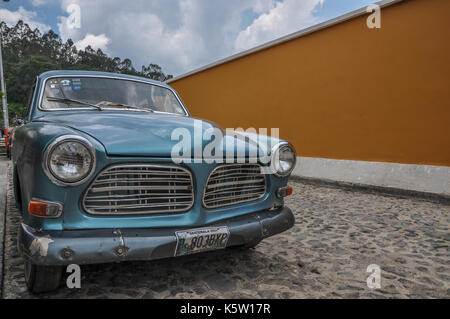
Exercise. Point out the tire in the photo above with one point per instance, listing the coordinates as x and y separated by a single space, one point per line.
17 191
41 279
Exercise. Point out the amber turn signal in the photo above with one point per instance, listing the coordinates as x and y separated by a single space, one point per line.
284 191
37 208
289 191
44 209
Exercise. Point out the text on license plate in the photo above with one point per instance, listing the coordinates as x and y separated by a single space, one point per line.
202 239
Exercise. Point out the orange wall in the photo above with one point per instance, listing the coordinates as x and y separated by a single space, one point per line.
346 92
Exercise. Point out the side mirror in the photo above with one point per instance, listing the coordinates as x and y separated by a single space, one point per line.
19 122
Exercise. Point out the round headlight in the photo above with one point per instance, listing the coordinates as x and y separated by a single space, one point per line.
284 159
69 160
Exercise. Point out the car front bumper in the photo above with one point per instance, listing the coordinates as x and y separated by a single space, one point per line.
117 245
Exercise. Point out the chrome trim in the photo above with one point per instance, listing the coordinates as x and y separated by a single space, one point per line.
275 149
60 140
30 111
41 93
122 198
60 205
262 189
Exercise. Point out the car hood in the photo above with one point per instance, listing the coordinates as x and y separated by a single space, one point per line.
126 133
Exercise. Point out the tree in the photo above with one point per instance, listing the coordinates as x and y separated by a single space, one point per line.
27 53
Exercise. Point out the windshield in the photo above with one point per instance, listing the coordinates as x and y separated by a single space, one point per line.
88 92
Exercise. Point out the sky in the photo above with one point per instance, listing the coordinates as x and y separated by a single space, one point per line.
178 35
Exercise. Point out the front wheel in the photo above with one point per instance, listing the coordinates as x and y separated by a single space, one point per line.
42 278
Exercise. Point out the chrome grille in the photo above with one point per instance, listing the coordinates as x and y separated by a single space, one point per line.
234 184
140 190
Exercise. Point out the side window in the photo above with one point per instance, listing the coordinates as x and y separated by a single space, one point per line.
30 100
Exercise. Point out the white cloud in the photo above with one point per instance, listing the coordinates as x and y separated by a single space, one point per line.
37 3
95 41
282 19
28 17
262 6
181 35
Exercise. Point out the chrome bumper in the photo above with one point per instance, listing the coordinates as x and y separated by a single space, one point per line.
117 245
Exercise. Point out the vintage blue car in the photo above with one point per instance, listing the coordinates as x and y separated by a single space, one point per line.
96 181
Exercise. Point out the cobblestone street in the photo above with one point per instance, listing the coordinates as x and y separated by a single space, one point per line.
337 234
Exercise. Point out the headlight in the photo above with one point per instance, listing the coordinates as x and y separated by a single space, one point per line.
283 159
69 160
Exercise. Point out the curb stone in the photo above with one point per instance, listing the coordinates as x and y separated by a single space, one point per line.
372 189
3 188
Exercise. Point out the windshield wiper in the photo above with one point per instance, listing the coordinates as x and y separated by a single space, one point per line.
68 101
112 104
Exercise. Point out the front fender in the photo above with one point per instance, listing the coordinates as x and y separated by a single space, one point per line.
30 142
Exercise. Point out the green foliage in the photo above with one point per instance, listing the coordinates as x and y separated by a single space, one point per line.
28 53
21 75
15 111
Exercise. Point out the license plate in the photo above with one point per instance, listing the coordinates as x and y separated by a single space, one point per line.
200 240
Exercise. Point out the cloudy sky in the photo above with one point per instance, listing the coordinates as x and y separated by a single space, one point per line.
179 35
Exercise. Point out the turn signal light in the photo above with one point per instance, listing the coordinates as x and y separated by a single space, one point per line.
44 209
284 191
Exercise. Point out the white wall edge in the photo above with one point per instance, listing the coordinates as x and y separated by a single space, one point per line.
421 178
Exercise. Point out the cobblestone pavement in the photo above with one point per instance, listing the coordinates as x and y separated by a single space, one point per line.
3 186
337 234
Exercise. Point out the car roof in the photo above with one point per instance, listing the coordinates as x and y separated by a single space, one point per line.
63 73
